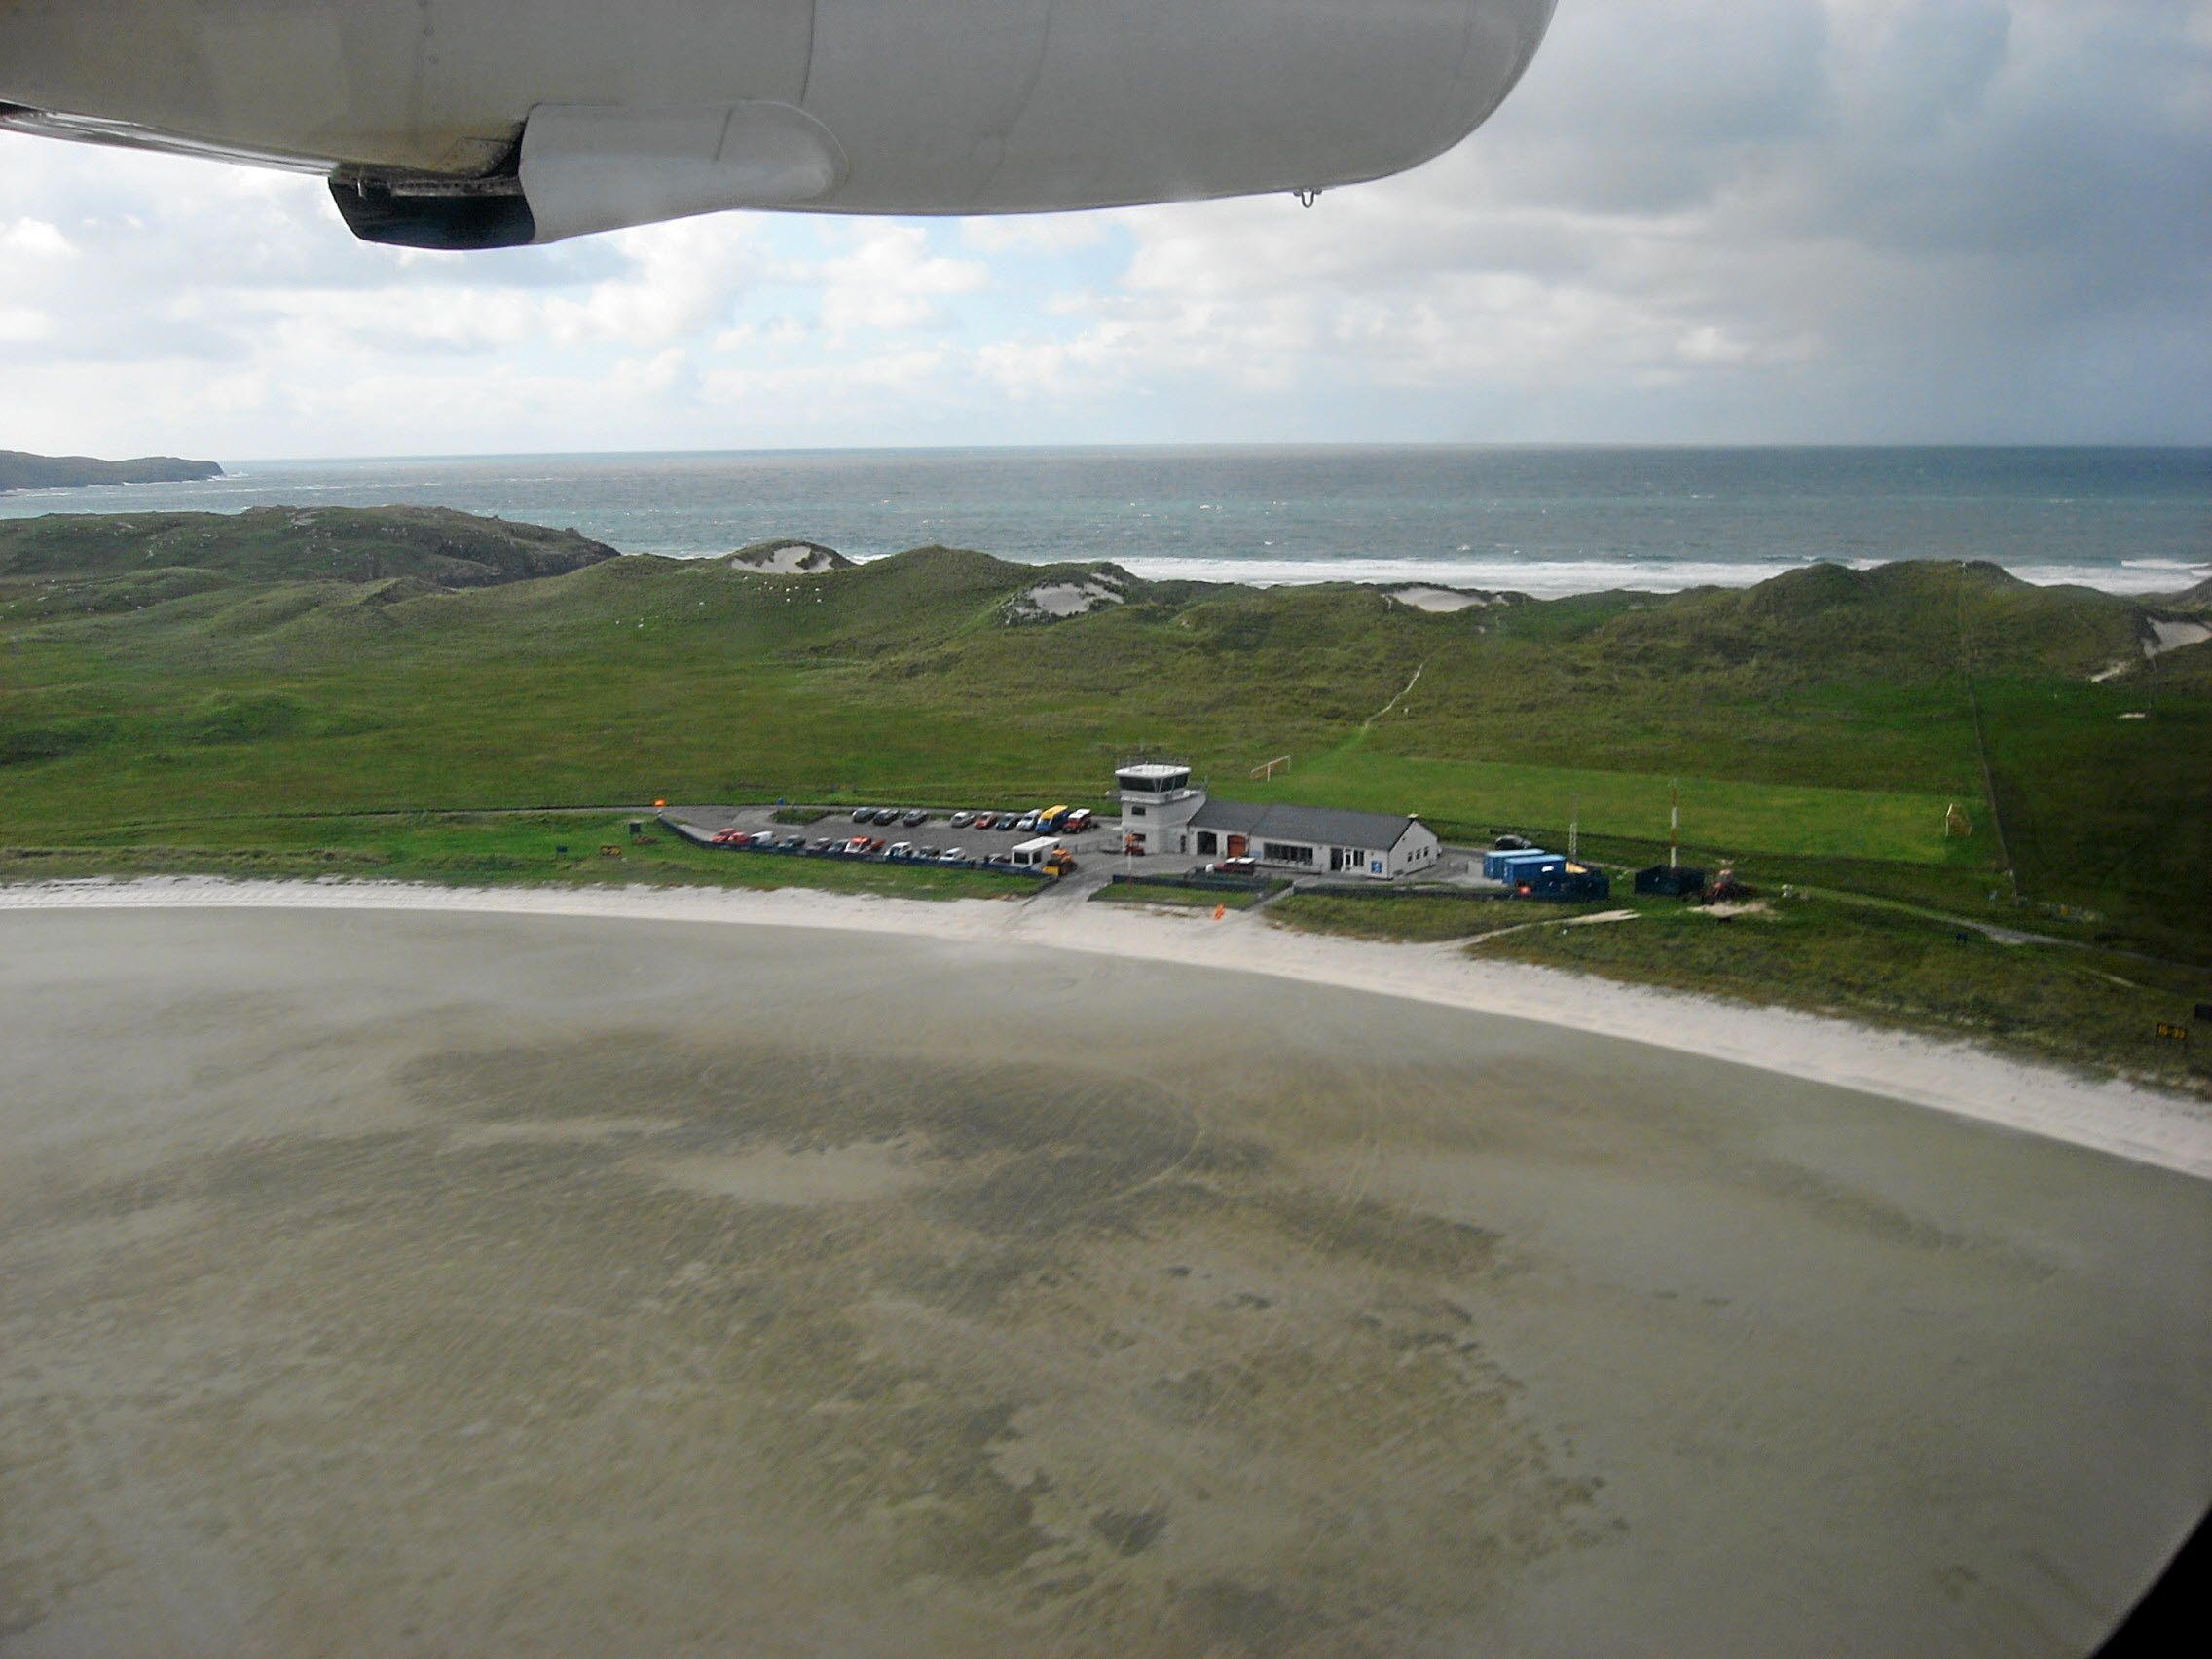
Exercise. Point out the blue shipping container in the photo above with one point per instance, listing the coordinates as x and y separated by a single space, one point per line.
1495 865
1535 869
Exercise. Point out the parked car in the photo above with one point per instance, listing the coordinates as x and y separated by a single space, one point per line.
961 820
900 850
820 844
1077 822
953 855
983 821
791 844
1233 866
863 814
723 837
1026 823
915 818
884 815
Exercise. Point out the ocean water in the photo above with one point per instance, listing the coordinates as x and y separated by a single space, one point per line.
1545 521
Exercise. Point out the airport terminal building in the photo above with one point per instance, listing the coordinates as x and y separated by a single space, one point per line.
1163 814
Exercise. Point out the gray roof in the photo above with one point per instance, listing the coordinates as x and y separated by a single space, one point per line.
1315 826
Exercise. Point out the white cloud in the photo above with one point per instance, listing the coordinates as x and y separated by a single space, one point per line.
1046 233
34 238
891 280
1814 219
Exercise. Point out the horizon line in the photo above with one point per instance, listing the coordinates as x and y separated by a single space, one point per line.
1662 446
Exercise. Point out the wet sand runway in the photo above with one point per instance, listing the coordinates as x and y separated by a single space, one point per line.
416 1285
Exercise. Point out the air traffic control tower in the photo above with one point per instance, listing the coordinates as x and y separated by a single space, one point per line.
1156 803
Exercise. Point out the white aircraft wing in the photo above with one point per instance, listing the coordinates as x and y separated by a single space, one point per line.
490 122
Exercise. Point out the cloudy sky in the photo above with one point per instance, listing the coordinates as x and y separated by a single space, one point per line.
1698 221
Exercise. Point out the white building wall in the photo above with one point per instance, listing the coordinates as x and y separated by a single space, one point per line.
1162 824
1416 852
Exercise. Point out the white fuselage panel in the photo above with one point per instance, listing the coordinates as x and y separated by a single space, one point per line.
920 106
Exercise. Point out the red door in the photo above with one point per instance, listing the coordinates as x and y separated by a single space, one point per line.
1237 846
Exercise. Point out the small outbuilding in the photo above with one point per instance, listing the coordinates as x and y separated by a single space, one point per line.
1670 881
1032 855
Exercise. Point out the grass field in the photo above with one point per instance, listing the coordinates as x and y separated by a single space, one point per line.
475 849
1413 920
2045 1003
176 686
1176 898
1474 796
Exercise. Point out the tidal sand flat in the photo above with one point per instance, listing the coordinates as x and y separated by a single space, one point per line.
409 1284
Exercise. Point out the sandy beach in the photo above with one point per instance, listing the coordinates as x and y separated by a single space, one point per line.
2126 1121
382 1272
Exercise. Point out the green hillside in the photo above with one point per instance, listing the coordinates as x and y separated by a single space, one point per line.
85 553
187 680
22 470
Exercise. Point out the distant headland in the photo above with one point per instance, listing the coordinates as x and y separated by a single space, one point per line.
22 470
